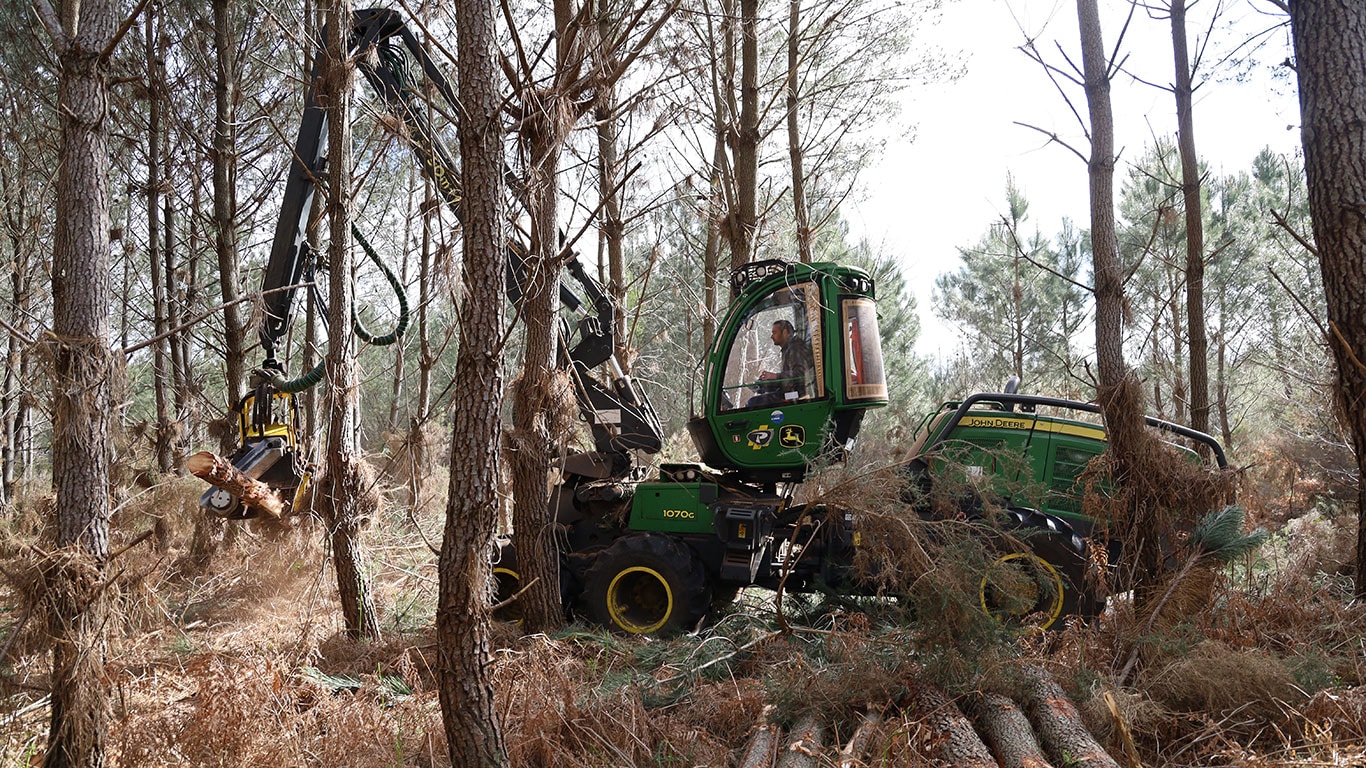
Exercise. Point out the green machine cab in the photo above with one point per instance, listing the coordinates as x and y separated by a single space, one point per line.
765 427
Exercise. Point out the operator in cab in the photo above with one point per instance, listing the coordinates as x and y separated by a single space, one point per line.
796 363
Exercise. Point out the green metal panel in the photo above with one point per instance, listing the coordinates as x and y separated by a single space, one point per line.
671 508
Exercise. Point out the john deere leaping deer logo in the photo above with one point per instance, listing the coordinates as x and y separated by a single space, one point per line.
792 436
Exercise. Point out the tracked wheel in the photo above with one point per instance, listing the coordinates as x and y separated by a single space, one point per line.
647 584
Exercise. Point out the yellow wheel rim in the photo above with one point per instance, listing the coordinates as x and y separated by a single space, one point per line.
513 581
639 600
1027 584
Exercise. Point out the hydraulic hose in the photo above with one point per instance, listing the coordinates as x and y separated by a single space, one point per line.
310 379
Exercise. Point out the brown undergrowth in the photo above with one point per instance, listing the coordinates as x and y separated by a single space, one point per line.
245 664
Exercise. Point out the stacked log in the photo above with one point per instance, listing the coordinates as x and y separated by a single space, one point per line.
1059 724
1006 730
953 739
804 744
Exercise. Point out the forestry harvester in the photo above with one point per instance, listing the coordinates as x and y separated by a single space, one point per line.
649 552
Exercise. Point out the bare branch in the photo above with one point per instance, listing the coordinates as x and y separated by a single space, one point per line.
1055 138
52 24
122 30
1019 248
1300 303
128 351
1283 224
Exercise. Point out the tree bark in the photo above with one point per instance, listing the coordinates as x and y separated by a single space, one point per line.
1006 730
954 740
609 177
1109 278
464 660
851 755
225 198
1059 724
1330 60
15 398
801 215
549 119
220 472
762 748
348 487
1195 230
804 744
82 363
746 139
161 378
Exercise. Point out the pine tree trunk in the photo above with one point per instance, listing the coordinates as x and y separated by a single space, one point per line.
225 198
1195 231
804 744
1006 730
532 524
609 177
1109 278
953 739
1330 59
801 215
161 379
14 401
746 147
464 660
81 396
531 443
349 489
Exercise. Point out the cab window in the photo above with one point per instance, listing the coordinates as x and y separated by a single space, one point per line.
771 360
864 378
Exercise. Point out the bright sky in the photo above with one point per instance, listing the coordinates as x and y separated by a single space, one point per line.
945 188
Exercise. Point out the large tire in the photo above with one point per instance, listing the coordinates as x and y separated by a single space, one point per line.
507 580
648 584
1037 574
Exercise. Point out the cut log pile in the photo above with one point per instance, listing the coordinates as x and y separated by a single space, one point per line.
1043 730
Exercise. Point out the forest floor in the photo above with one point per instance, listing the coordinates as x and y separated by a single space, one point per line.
245 664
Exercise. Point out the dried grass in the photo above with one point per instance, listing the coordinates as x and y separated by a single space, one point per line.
209 670
1218 680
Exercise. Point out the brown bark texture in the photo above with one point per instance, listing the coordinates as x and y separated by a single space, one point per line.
801 215
953 739
851 754
612 227
1006 730
1330 60
762 748
1109 278
161 380
746 140
1059 724
81 394
464 659
804 744
548 120
225 197
1195 228
346 482
218 471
